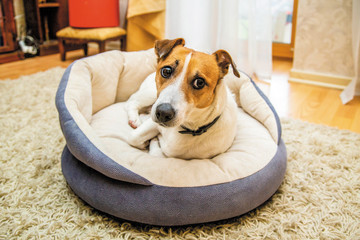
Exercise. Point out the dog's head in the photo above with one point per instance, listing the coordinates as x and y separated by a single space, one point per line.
186 79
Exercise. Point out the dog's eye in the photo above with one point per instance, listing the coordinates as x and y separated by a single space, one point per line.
166 72
198 83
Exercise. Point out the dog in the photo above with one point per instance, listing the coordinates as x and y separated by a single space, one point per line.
193 115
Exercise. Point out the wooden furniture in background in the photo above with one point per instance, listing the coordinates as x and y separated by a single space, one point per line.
9 49
43 20
70 36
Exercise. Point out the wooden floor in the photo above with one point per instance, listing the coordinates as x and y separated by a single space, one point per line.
295 100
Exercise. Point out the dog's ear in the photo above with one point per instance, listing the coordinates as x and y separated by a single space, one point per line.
164 47
223 60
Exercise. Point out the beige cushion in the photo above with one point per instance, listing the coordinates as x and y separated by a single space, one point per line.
99 34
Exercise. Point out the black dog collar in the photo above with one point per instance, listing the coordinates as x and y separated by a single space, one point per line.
200 130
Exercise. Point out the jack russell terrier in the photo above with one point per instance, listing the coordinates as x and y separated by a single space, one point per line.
193 114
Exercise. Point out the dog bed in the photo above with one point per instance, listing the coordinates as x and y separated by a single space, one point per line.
107 173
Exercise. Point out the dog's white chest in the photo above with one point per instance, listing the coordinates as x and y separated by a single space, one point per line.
187 146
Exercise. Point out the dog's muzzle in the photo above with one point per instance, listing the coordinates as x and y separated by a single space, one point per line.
165 113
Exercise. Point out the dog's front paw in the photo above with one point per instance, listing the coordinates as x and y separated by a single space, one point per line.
137 142
134 119
133 115
134 123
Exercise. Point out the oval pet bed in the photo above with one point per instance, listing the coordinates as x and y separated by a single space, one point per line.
128 183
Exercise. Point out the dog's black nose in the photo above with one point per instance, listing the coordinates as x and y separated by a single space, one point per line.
165 112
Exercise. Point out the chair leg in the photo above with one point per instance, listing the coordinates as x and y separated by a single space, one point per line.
123 43
101 46
62 49
85 48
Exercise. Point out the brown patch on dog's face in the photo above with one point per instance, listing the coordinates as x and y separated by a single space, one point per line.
201 80
175 61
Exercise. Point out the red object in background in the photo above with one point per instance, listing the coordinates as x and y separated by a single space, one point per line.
93 13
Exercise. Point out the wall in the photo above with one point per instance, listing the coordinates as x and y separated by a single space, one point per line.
323 47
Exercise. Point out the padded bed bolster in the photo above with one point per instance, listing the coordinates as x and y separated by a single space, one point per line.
272 121
81 141
254 102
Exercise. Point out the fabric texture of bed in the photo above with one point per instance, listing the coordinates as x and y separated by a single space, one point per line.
129 183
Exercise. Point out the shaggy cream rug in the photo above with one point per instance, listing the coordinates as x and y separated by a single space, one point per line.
319 198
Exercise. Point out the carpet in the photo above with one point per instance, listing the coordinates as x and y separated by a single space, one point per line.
318 199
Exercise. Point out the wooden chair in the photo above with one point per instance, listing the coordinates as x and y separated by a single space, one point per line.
70 36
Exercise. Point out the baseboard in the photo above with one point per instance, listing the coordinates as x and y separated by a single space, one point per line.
324 80
11 56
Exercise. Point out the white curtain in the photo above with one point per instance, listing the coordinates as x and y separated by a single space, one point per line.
241 27
354 87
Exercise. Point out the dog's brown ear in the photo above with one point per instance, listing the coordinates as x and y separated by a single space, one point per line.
223 60
164 47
